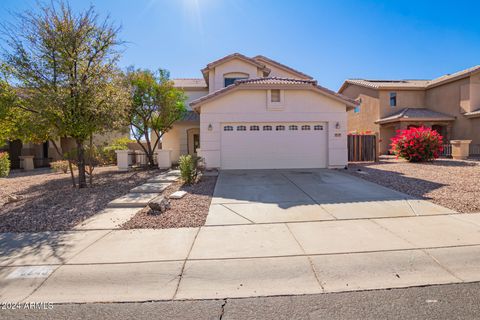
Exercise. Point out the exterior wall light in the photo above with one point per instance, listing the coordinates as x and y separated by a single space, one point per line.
337 125
210 127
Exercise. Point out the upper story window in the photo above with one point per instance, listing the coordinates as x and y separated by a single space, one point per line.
229 81
275 95
393 99
357 107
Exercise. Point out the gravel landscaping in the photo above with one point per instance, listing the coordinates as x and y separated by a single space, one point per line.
451 183
47 201
189 211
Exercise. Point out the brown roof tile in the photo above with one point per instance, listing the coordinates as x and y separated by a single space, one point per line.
416 114
273 81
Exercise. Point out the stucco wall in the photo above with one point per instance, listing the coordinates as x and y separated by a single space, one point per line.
405 99
369 109
193 94
446 99
176 139
251 106
233 66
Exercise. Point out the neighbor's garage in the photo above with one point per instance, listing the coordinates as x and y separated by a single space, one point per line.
273 145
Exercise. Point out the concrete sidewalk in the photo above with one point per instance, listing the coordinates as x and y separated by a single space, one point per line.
240 260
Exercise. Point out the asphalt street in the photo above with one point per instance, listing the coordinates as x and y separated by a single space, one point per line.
454 301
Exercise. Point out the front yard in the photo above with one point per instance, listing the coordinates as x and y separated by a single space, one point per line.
451 183
48 202
190 211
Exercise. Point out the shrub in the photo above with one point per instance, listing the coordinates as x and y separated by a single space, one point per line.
108 155
189 168
417 144
60 166
4 164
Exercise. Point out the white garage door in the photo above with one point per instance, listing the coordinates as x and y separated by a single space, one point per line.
274 145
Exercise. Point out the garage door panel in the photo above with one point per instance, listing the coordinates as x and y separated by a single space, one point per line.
273 149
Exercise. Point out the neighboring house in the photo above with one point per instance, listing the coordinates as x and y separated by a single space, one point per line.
449 104
256 113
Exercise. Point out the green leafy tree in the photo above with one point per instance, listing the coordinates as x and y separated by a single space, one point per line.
63 66
156 106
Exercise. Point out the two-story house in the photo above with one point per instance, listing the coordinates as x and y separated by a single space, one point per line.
256 113
449 104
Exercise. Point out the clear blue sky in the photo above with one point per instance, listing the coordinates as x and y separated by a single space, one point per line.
331 40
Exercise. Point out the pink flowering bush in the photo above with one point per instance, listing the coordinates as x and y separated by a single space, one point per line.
417 144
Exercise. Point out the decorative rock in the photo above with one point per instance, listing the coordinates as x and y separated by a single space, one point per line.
158 205
13 198
178 194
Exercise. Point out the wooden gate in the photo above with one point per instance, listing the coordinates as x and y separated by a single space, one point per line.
362 147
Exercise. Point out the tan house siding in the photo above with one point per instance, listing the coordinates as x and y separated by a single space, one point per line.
405 99
448 99
362 121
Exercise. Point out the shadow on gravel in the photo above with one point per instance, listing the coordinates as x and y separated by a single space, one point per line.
396 181
53 205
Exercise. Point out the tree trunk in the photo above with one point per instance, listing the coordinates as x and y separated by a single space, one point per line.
82 179
69 162
149 148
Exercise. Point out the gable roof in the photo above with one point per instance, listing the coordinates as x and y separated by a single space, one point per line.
232 56
454 76
416 114
274 82
410 84
261 58
189 83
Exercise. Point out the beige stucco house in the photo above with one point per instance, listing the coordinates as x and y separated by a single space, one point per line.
450 104
256 113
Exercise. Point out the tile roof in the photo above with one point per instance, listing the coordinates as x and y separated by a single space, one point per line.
389 84
189 83
275 80
416 114
456 75
256 82
410 84
191 116
281 66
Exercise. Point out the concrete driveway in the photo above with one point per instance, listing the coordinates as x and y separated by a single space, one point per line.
269 196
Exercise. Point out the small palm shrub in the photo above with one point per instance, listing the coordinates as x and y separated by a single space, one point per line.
189 168
4 164
417 144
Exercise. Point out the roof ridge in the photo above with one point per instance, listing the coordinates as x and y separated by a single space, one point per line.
281 65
